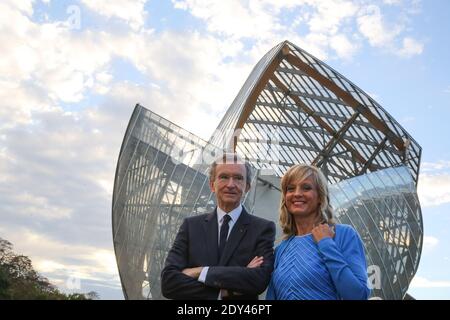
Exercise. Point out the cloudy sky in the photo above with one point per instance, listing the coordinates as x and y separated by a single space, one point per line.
72 71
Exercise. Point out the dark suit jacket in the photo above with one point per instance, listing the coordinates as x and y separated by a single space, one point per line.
196 245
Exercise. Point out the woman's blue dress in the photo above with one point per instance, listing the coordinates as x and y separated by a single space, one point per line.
332 269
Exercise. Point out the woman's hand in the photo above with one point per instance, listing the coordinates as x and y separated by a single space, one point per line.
322 231
256 262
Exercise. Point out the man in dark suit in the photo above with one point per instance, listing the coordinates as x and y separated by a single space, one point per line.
225 254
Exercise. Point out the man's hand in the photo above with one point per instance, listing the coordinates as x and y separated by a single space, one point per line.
322 231
193 272
256 262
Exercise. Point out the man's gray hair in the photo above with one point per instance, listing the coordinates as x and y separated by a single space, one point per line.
230 158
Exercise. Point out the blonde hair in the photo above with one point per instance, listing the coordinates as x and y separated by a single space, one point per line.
301 172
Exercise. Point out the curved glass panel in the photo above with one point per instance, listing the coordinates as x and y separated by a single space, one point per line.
384 208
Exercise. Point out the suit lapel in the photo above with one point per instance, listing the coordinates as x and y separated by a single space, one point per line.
211 237
235 237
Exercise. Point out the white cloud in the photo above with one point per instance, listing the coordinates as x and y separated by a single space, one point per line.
372 25
385 33
102 82
12 46
27 99
233 17
57 172
434 183
130 11
343 46
421 282
392 2
410 47
333 22
48 58
330 15
36 207
434 190
25 6
261 19
440 165
430 243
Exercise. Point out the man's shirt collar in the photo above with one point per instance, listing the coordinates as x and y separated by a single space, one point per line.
234 214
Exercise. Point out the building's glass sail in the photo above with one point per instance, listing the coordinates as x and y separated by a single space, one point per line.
384 208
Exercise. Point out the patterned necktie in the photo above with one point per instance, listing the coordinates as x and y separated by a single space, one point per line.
223 233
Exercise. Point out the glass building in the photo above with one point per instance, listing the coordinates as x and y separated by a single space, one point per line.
293 108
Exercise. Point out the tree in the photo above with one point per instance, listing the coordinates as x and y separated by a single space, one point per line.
4 283
18 279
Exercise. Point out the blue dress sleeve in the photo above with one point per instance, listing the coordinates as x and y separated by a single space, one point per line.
346 263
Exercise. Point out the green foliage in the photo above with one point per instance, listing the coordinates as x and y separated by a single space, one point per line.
18 279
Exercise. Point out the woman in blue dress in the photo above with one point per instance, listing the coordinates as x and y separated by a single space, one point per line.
318 259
